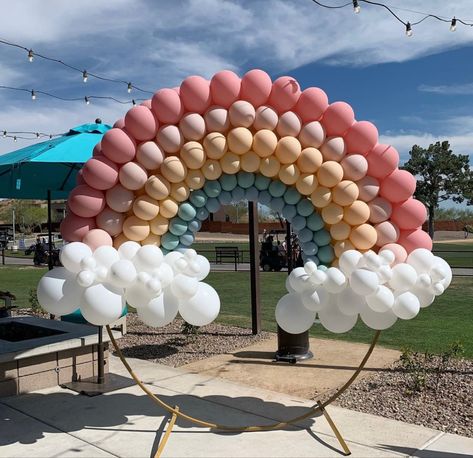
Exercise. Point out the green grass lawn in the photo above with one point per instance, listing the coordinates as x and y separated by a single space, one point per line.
18 254
462 255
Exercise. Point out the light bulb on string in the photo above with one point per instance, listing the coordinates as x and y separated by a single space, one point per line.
14 138
85 76
408 29
129 87
356 7
30 55
4 134
37 135
33 95
133 102
87 100
50 136
453 25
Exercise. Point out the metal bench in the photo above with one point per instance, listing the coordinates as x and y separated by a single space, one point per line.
227 252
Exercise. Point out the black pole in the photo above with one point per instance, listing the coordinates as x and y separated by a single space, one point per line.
100 358
50 233
254 268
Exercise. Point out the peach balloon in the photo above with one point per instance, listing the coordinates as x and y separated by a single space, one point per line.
170 138
159 225
86 201
225 88
167 106
340 231
145 207
118 146
309 160
312 134
239 140
180 192
242 114
215 145
119 198
269 166
230 163
149 155
329 174
332 213
284 94
256 87
141 123
368 187
288 150
173 169
345 193
193 155
388 232
119 123
380 210
356 213
250 162
361 137
217 119
265 142
363 236
312 104
409 214
321 197
400 253
354 166
333 149
338 118
341 246
133 176
168 207
99 172
266 118
96 238
289 174
382 161
192 126
157 187
289 124
152 239
415 238
306 183
195 179
73 228
195 94
212 169
398 186
110 221
119 240
135 228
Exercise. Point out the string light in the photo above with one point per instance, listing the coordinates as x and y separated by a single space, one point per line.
356 6
33 95
87 101
129 87
4 134
14 138
85 76
133 102
453 25
408 29
30 55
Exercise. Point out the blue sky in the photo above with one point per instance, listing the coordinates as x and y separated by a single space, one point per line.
416 90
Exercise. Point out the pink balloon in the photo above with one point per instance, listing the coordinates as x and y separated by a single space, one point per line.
225 88
86 201
110 221
195 94
382 160
242 114
398 186
119 123
354 166
368 187
284 94
97 151
312 134
73 228
99 172
149 155
289 125
216 119
118 146
167 106
338 118
170 138
192 126
141 123
256 87
409 214
400 254
380 210
312 104
96 238
80 178
119 198
266 118
146 103
361 137
333 149
415 238
387 232
133 176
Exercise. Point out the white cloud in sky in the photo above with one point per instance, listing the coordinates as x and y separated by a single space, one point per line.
448 89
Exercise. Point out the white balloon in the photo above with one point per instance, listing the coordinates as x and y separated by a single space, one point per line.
147 258
102 304
350 303
447 271
88 263
376 320
58 292
202 308
372 260
334 320
437 288
85 278
423 281
385 273
425 296
406 306
348 261
154 286
310 267
160 311
298 279
364 282
101 273
72 254
184 286
318 277
190 253
122 273
336 281
381 300
311 300
172 257
105 256
204 267
387 257
289 288
181 265
404 277
324 297
138 295
143 277
421 260
128 250
292 315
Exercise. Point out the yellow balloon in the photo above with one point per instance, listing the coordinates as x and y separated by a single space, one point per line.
173 169
357 213
152 239
269 166
250 162
215 145
265 142
309 160
332 213
321 197
157 187
168 208
288 150
340 230
193 155
120 239
145 207
230 163
289 174
341 246
345 193
179 192
330 174
159 225
195 179
212 169
135 228
307 183
239 140
363 237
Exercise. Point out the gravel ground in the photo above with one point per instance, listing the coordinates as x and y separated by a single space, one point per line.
168 345
447 407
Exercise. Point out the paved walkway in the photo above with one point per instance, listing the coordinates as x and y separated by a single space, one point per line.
126 423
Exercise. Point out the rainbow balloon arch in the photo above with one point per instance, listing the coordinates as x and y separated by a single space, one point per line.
179 156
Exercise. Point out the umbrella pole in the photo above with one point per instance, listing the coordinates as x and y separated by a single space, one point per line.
50 232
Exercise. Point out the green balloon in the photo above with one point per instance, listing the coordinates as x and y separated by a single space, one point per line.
169 241
305 207
177 226
262 183
277 188
245 179
292 196
322 237
198 198
315 222
326 254
212 188
228 182
186 211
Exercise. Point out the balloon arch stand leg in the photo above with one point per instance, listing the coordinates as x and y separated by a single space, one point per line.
318 408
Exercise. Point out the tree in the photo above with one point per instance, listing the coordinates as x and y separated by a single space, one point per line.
27 215
441 175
